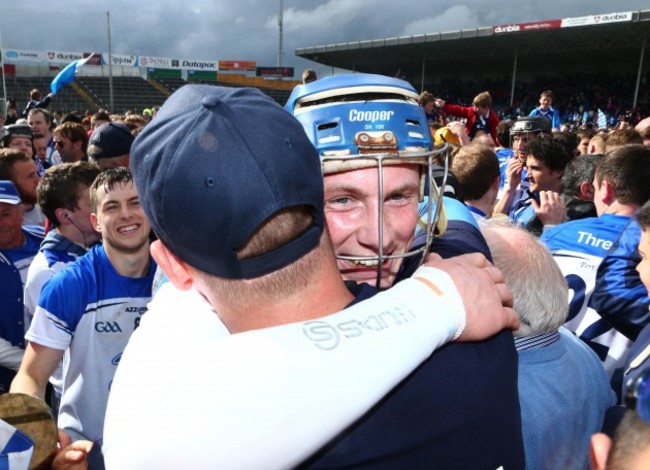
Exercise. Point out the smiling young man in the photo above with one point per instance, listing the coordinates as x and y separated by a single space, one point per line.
87 312
375 154
351 208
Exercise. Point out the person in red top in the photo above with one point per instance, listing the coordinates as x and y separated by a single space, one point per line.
480 119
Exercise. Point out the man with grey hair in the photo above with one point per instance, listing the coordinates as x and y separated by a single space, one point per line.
563 388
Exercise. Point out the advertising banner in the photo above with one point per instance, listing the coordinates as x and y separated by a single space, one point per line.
238 65
597 19
274 72
533 26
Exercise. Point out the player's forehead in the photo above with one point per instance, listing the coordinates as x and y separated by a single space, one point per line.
364 179
118 191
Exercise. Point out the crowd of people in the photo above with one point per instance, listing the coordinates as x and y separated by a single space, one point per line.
376 280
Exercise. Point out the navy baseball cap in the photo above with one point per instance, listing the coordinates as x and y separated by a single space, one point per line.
8 193
110 140
213 165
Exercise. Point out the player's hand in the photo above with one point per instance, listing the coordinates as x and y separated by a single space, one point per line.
72 455
551 209
513 172
486 298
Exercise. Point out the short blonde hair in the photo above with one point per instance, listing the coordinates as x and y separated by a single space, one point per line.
483 100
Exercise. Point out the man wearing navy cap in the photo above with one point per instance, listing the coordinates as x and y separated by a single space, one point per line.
261 258
110 145
18 246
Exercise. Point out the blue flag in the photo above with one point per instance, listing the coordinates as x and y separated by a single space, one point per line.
68 74
602 120
15 448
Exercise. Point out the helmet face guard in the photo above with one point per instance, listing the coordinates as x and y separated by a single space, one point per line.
362 121
529 125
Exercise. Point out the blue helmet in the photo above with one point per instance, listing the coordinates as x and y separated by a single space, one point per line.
363 120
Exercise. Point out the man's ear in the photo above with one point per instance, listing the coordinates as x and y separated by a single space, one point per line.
93 220
608 192
586 191
60 216
599 451
175 269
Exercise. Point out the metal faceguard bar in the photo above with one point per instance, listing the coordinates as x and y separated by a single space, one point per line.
436 221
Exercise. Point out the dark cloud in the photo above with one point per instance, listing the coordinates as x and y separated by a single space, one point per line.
248 29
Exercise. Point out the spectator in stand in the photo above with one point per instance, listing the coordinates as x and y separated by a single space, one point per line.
578 187
36 100
71 141
22 171
480 119
110 145
146 114
18 246
476 168
545 110
584 135
563 388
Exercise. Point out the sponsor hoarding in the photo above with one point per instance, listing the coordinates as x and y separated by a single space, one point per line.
240 65
274 72
533 26
17 56
597 19
121 60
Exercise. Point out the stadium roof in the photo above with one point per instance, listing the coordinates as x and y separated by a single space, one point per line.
608 43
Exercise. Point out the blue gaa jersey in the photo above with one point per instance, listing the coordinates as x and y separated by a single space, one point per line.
90 311
620 297
503 154
461 236
56 252
13 273
551 114
579 247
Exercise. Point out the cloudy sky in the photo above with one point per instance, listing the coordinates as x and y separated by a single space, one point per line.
248 29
